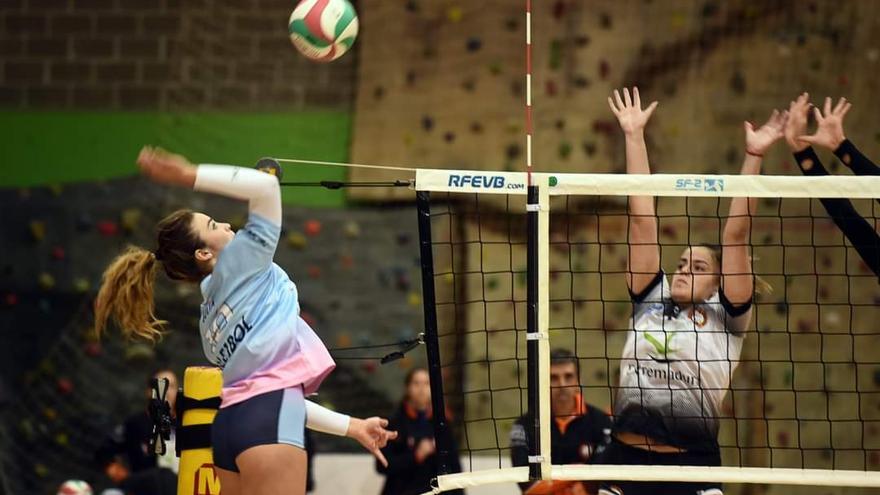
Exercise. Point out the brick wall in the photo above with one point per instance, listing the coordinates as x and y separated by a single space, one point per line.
161 54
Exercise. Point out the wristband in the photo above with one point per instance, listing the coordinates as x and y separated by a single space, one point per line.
321 419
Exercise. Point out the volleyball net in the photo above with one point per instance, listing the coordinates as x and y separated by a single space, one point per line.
511 271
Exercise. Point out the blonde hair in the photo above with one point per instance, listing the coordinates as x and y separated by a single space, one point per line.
126 296
762 287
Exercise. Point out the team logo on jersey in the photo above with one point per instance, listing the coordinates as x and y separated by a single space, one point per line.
698 316
212 334
663 349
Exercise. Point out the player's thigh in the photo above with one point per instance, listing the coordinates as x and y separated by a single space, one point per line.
230 481
276 469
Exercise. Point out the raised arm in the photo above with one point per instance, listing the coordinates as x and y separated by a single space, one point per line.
644 251
829 134
860 233
737 280
260 189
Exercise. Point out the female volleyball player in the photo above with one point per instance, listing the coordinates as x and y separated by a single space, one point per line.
250 326
687 332
829 134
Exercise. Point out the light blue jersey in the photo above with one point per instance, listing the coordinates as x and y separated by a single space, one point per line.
250 323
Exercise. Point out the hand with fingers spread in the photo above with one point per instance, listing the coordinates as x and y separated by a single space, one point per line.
830 131
758 141
796 125
166 168
629 111
371 433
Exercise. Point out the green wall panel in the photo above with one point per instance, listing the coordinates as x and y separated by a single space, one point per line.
41 148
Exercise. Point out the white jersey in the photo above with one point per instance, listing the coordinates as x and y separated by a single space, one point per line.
676 366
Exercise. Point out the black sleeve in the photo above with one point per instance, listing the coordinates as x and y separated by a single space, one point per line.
854 159
401 458
519 447
601 423
859 232
730 308
640 297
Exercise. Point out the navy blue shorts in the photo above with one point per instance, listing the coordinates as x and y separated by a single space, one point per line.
270 418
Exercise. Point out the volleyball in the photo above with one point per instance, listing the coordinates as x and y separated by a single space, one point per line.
75 487
323 30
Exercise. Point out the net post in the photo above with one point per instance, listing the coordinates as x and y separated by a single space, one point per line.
537 339
432 344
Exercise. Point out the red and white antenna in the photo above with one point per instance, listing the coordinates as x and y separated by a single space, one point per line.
529 91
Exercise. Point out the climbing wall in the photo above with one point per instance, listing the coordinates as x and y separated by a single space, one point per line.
62 392
441 83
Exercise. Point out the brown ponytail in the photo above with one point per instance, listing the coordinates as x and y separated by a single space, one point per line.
126 296
126 293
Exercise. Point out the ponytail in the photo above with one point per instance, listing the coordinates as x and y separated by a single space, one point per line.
126 296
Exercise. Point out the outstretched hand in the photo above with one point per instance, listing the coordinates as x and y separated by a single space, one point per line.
759 140
796 125
629 111
830 131
166 168
371 433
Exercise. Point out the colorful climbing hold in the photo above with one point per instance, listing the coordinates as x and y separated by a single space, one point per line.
64 385
296 240
58 253
343 340
129 219
92 349
454 13
604 69
555 59
346 261
512 151
427 123
308 318
46 281
473 44
558 9
107 228
564 150
314 271
589 148
38 230
62 439
738 83
313 228
351 229
10 299
580 82
81 285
